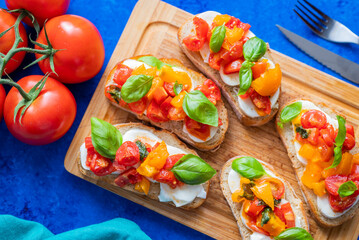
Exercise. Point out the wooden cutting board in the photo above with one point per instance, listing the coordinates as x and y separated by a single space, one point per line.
152 29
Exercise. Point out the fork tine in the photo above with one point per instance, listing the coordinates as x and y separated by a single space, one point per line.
317 10
307 23
319 27
314 15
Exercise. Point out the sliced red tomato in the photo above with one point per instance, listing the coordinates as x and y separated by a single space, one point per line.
127 155
288 215
176 114
196 42
168 177
354 174
339 204
233 67
169 88
251 223
172 160
121 74
88 143
326 152
129 176
98 164
215 60
328 135
234 53
138 107
255 208
160 95
276 185
314 119
261 102
199 130
236 22
210 90
166 106
279 213
350 129
332 183
155 114
313 136
258 69
349 142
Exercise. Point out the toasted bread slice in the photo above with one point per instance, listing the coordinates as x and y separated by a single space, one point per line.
154 191
176 127
229 92
287 135
236 207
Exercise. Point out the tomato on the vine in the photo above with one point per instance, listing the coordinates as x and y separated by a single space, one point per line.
41 9
7 20
82 54
47 119
2 100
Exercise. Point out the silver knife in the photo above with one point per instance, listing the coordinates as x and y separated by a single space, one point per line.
343 66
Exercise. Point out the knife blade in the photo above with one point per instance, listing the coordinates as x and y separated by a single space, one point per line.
343 66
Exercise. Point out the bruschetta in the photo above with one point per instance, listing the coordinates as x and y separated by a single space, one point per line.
263 204
321 146
170 96
146 161
225 50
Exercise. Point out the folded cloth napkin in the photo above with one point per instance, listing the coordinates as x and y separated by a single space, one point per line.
12 228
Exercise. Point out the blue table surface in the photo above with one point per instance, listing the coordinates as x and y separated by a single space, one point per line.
34 184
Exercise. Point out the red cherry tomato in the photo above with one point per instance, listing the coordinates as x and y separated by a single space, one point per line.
215 60
349 142
233 67
328 135
88 143
339 204
314 119
210 90
83 51
127 155
326 152
138 107
172 160
169 88
196 42
255 208
288 215
121 74
41 9
176 114
199 130
350 129
313 136
2 100
261 102
129 176
55 106
251 223
234 53
168 177
6 21
236 22
154 113
258 69
332 183
98 164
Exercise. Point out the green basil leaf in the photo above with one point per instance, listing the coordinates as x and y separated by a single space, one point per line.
153 61
347 189
266 215
193 170
105 138
115 93
143 150
177 88
248 167
339 141
294 233
303 133
245 77
197 107
254 49
136 87
217 38
289 113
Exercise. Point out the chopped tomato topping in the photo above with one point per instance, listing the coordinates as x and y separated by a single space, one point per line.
261 102
129 176
314 119
339 204
166 106
215 60
288 215
333 183
236 22
328 135
349 142
168 177
88 143
176 114
121 74
160 94
138 107
233 67
196 42
98 164
259 68
210 90
169 88
127 155
350 129
155 114
172 160
255 208
234 53
199 130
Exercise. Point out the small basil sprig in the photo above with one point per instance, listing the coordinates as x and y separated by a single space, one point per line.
289 113
217 38
136 87
248 167
143 150
253 50
294 233
347 189
303 133
153 61
197 107
245 77
266 215
339 141
193 170
177 88
105 138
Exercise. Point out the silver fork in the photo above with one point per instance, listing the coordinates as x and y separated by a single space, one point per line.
324 26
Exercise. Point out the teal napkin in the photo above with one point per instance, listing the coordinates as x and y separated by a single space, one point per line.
12 228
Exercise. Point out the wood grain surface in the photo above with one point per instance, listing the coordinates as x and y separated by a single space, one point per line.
152 29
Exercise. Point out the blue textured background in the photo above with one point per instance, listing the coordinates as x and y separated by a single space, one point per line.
33 182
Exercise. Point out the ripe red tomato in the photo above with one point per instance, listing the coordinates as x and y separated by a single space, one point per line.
138 107
169 88
41 9
210 90
98 164
6 21
172 160
259 68
261 102
236 22
233 67
314 119
197 129
328 135
176 114
2 100
215 60
333 183
339 204
154 113
83 51
121 73
288 215
350 129
349 142
168 177
127 155
234 53
276 185
255 208
129 176
196 42
48 118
